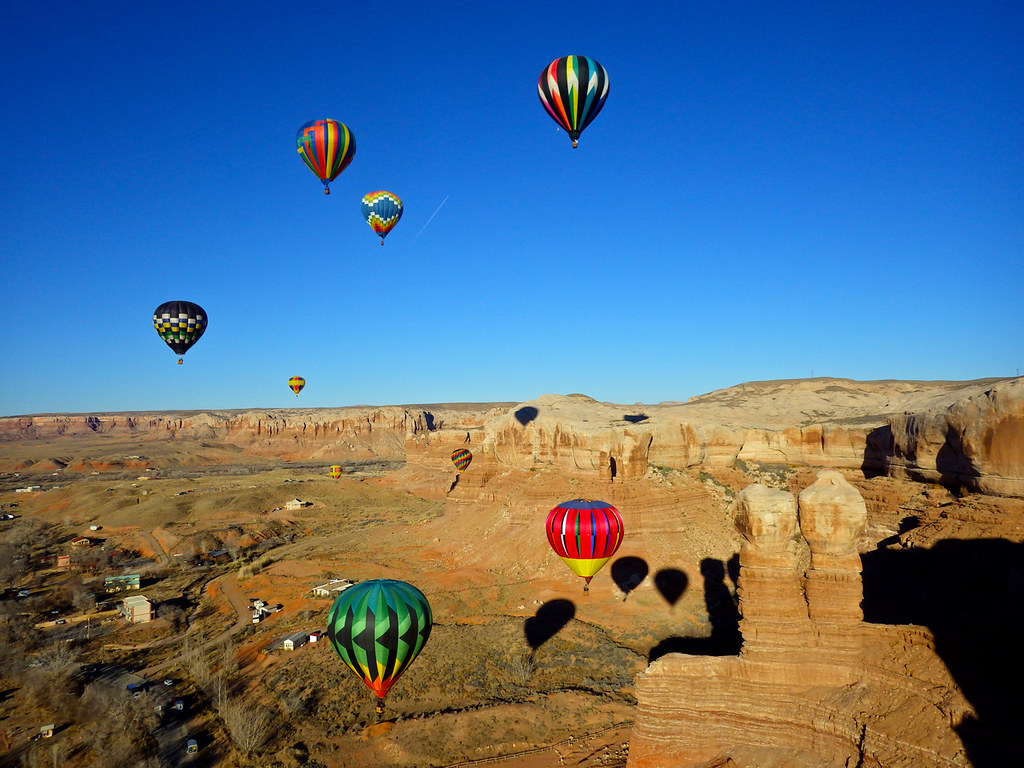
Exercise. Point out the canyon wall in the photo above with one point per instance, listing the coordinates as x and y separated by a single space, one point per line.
960 434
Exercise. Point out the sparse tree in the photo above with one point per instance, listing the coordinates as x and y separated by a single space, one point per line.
248 724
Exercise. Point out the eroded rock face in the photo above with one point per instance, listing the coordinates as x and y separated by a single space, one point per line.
812 685
960 434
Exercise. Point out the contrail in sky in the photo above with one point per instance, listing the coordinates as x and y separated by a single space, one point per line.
430 219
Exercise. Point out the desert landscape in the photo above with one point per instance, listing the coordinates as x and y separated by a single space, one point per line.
816 572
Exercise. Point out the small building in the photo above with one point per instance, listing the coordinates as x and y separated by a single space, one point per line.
297 640
81 541
217 556
297 504
27 489
315 636
122 583
63 562
46 731
332 588
137 609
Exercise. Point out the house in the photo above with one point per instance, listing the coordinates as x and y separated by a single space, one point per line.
81 541
122 583
63 562
297 640
217 556
297 504
137 609
331 588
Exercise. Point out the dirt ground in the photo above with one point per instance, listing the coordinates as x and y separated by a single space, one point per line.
486 689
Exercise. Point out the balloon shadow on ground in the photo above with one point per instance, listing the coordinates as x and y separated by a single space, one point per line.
723 616
671 583
548 622
628 572
635 418
526 414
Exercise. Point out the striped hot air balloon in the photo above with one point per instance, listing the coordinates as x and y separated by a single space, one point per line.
335 471
378 628
296 383
573 89
382 210
180 324
585 534
461 458
326 147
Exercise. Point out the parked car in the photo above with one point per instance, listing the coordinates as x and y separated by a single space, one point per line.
191 747
168 681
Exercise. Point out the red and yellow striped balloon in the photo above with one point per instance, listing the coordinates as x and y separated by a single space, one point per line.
296 383
335 471
585 534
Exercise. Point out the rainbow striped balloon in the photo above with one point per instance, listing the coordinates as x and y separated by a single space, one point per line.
296 383
585 534
326 147
461 459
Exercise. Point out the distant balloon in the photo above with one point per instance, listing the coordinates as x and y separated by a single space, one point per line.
461 458
573 90
180 324
326 147
585 534
378 628
335 471
296 383
382 210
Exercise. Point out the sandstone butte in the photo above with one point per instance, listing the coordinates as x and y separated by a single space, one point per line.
813 683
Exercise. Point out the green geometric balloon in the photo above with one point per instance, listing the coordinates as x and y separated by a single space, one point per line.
378 628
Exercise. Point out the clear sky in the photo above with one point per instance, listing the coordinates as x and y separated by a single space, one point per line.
773 190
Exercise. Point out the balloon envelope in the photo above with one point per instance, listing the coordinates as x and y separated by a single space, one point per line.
335 471
326 147
180 324
573 89
461 459
378 628
296 383
585 534
382 210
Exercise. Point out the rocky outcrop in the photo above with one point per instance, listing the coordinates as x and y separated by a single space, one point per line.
812 686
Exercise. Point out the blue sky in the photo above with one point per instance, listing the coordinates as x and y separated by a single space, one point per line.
773 190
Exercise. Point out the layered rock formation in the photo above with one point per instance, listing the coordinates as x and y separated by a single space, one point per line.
813 685
961 434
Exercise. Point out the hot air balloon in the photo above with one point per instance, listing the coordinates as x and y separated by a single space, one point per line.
382 210
378 628
180 324
573 90
296 383
335 471
326 147
585 534
461 459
